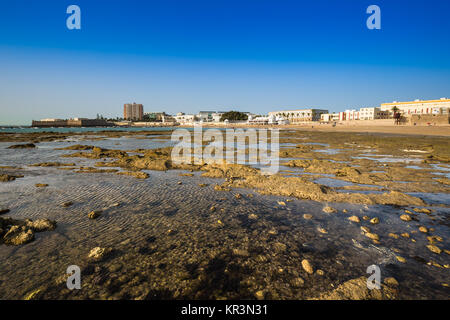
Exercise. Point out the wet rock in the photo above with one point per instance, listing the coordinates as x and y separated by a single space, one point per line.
354 219
53 164
136 174
259 295
33 295
405 217
423 229
375 220
240 252
297 282
434 248
41 225
22 146
322 230
329 209
97 254
221 188
186 174
307 216
94 214
306 265
18 235
279 247
422 210
41 185
356 289
114 267
372 236
434 239
77 147
7 178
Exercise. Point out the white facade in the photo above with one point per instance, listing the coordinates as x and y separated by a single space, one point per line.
327 117
184 118
299 115
257 120
216 116
349 115
372 113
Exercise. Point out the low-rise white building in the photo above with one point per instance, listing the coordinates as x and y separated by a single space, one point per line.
299 115
257 120
184 118
329 117
349 115
372 113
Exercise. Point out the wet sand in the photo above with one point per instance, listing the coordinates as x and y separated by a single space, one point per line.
441 130
227 233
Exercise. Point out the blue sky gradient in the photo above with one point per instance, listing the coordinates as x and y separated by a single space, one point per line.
251 55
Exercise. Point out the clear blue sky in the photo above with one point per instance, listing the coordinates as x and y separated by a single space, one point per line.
252 55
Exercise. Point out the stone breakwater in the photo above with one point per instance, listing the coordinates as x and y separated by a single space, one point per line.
143 227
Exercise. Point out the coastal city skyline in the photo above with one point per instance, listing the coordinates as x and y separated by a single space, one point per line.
171 65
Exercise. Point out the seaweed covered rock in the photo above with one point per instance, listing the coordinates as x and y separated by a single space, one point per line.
18 235
18 232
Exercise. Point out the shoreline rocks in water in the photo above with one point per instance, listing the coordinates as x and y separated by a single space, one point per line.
356 289
8 177
22 146
98 254
18 232
94 214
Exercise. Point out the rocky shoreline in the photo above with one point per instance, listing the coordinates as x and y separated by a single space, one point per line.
255 255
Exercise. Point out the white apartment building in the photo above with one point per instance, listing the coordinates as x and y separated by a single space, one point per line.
349 115
184 118
329 117
299 115
372 113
